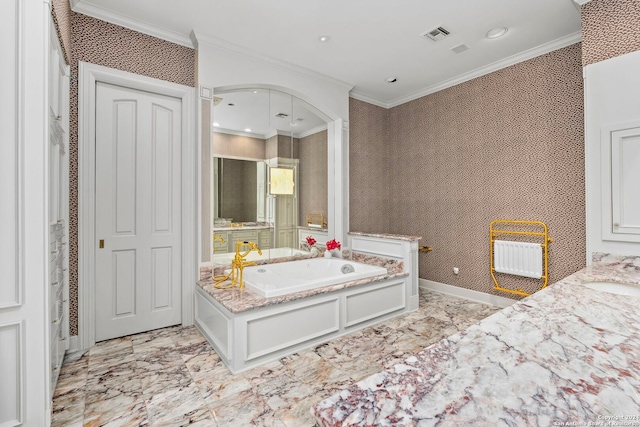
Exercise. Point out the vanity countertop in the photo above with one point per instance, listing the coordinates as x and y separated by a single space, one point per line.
565 354
238 300
386 236
246 226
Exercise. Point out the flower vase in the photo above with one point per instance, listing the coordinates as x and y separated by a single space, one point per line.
328 254
314 250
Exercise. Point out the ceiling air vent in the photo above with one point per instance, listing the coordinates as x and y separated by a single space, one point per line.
460 48
282 115
436 34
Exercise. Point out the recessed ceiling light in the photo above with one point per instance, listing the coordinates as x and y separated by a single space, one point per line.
216 124
255 91
392 79
247 130
497 32
324 38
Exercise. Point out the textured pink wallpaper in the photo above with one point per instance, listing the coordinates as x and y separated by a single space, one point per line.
313 191
61 12
610 28
102 43
507 145
369 175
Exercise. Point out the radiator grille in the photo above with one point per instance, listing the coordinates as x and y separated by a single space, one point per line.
518 258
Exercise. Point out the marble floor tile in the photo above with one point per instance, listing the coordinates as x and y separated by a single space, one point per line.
177 406
172 376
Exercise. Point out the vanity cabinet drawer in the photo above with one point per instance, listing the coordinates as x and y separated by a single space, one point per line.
244 236
264 239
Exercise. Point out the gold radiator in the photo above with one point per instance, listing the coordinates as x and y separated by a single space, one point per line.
518 257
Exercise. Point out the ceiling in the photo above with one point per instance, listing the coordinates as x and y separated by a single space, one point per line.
370 40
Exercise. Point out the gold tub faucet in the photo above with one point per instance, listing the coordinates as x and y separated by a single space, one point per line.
237 266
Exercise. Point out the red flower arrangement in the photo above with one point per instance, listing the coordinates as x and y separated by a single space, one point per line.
333 244
311 241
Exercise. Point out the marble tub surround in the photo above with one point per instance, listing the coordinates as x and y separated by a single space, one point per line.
180 380
239 300
386 236
311 229
565 354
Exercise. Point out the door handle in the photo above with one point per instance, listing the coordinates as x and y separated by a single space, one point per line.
101 245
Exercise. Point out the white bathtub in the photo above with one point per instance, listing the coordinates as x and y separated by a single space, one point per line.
227 257
284 278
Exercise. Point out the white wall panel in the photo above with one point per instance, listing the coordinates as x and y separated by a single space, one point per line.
9 289
124 163
124 282
161 144
161 277
10 372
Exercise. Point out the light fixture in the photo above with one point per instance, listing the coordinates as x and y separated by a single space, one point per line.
255 91
392 79
216 124
324 39
497 32
247 130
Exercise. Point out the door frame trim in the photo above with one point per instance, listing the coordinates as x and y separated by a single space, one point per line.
88 76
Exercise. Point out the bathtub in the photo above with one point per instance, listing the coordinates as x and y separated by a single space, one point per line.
227 257
284 278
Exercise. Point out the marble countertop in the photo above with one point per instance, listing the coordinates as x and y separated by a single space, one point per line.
250 226
386 236
566 354
238 300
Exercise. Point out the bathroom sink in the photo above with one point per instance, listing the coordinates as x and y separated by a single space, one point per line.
614 288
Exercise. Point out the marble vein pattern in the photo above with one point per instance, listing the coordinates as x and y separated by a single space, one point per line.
172 376
238 300
567 355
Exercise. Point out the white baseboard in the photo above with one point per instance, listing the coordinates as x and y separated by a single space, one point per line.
469 294
73 344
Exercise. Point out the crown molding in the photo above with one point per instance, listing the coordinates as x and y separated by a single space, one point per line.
581 2
103 14
240 133
498 65
362 97
311 131
270 134
199 39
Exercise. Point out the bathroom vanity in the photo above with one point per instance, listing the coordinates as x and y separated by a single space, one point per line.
568 353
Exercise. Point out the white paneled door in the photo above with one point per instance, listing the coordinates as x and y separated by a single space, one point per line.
138 211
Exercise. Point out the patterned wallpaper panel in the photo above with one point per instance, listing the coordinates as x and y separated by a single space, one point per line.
610 28
102 43
507 145
369 174
313 187
61 12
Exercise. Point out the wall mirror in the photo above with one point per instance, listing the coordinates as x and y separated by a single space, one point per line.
269 171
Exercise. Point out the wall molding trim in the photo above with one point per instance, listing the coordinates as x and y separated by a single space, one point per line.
89 75
199 38
581 2
130 23
469 294
498 65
